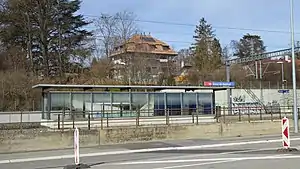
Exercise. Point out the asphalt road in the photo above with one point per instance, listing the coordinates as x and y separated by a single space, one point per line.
247 153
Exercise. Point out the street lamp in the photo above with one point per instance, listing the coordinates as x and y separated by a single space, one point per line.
293 66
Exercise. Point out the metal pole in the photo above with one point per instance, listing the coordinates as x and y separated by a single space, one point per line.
282 83
293 66
282 75
260 82
229 91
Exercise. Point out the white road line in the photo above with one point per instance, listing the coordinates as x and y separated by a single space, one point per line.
285 156
215 154
207 163
193 165
142 151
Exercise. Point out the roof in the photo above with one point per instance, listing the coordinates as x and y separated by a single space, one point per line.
141 43
87 87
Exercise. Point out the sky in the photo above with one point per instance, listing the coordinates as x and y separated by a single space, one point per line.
261 17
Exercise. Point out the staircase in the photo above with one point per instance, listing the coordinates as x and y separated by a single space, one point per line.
255 98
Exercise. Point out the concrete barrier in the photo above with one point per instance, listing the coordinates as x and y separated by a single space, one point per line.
43 139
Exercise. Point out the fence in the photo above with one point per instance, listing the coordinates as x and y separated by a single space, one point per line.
61 120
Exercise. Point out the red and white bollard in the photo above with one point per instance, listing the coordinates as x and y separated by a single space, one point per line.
76 146
285 133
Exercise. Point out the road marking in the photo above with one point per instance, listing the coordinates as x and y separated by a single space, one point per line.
284 156
143 151
193 165
201 164
215 154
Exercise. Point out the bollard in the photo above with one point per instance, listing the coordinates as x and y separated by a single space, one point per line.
285 133
77 164
76 146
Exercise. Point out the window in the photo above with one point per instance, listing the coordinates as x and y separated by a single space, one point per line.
152 47
166 48
148 39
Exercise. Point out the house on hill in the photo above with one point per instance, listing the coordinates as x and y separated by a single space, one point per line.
142 59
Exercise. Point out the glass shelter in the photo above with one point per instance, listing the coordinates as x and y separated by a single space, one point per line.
125 101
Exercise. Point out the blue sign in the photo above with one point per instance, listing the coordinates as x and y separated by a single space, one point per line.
223 84
284 91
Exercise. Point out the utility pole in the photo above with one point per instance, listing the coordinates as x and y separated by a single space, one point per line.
295 106
229 91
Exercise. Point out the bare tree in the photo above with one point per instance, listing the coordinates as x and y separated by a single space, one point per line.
106 33
114 30
126 25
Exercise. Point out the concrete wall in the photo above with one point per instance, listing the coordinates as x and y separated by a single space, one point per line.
18 116
268 95
206 131
43 139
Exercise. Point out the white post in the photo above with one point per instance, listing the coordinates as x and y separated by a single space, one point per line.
76 146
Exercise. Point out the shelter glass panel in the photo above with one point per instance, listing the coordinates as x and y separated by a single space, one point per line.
60 102
159 104
204 102
140 102
101 104
173 103
189 103
121 105
81 103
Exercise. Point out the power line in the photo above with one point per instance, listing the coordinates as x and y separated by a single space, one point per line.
194 25
98 37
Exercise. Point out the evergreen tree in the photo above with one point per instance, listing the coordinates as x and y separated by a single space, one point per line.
207 51
49 31
249 45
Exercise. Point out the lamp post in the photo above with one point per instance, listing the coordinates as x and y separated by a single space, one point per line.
293 66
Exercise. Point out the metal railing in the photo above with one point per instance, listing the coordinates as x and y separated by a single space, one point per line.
61 120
